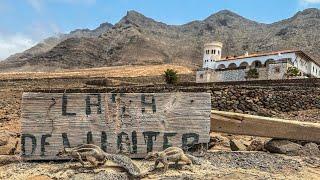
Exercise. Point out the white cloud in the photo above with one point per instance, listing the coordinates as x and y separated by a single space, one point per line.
303 4
11 44
39 30
311 1
36 4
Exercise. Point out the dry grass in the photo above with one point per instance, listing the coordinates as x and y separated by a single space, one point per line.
116 71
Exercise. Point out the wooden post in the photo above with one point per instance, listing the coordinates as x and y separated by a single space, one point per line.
244 124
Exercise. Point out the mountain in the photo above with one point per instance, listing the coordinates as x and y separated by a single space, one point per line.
21 60
139 40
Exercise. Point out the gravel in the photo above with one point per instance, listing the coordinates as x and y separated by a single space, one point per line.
253 160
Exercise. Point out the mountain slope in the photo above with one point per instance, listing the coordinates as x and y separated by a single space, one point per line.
139 40
20 60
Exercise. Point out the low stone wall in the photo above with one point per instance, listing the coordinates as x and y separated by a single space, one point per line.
265 100
228 75
232 75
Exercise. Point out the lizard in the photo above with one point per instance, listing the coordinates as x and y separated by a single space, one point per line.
171 154
96 156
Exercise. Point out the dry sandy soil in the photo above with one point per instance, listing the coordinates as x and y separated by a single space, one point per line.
222 165
115 71
217 164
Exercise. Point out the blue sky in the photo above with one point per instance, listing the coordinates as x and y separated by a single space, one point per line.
23 23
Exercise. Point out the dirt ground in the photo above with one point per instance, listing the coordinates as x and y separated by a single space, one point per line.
216 164
115 71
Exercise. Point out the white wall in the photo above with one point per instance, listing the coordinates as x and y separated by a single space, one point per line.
307 66
302 65
262 59
315 69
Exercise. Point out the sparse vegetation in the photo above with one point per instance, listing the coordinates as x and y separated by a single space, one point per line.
171 76
253 74
293 71
114 71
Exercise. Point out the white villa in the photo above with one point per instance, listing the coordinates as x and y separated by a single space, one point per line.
272 65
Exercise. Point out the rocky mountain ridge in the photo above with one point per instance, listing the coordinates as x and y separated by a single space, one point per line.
139 40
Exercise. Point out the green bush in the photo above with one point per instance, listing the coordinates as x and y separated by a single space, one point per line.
293 71
253 73
171 76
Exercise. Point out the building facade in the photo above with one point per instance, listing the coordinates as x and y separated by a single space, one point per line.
273 65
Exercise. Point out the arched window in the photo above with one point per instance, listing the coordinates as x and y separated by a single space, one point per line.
268 62
232 66
201 76
214 51
244 65
256 64
221 66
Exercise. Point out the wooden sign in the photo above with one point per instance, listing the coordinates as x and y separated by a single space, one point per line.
134 123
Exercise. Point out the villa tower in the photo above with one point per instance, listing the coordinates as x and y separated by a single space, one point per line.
212 53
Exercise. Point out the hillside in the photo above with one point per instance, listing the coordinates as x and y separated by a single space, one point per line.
139 40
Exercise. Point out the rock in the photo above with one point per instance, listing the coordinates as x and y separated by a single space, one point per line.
256 145
310 149
10 148
237 145
239 111
218 140
6 159
264 112
283 147
4 137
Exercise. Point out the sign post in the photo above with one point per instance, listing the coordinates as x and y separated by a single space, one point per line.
133 123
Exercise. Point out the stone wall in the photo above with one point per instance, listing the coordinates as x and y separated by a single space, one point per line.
232 75
265 101
277 71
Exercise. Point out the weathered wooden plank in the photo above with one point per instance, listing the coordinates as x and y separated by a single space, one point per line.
243 124
137 122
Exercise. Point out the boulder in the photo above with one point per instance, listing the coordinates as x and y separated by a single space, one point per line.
283 147
218 142
310 149
237 145
256 145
